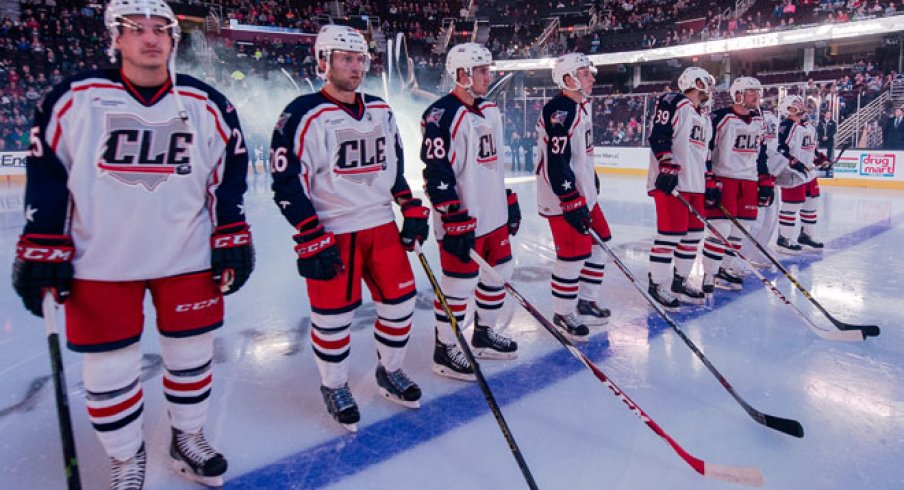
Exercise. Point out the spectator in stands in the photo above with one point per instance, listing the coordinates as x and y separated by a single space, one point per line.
825 131
893 132
528 142
515 146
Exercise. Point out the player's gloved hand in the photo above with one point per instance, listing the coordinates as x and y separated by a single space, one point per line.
231 256
667 179
459 237
798 166
574 210
765 190
43 262
822 162
712 196
318 255
415 226
514 212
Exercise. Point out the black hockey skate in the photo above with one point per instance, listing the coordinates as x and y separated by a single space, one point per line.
663 296
129 474
194 459
686 293
728 281
398 387
786 246
593 313
342 406
449 361
808 241
487 344
571 327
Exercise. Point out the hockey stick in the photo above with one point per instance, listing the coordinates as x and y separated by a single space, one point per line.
481 381
867 330
788 426
70 461
744 475
835 160
826 334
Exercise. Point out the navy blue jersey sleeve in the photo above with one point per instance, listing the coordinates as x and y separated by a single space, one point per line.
46 189
436 146
558 118
784 132
717 118
663 130
230 192
289 178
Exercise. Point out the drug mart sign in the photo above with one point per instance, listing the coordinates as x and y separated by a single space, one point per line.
877 164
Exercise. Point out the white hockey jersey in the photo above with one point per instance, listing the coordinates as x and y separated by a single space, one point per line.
138 188
463 166
798 141
737 146
680 133
565 147
776 162
339 163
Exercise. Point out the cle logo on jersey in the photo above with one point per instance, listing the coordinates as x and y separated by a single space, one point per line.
360 156
486 150
747 143
697 136
138 152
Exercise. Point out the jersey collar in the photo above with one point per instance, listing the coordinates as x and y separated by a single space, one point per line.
472 108
357 113
136 93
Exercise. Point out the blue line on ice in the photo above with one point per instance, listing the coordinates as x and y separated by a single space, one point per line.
338 458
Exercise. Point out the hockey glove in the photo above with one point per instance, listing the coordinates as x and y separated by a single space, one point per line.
459 237
798 167
318 255
574 210
667 179
766 190
43 262
231 256
712 196
822 162
514 212
415 225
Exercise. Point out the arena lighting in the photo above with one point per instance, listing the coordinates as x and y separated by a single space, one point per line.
827 32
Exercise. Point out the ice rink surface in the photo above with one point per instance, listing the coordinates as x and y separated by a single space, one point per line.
268 418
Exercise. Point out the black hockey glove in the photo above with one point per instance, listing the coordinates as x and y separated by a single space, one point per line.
415 225
766 190
231 256
514 212
712 196
798 166
459 237
318 255
43 262
667 179
574 210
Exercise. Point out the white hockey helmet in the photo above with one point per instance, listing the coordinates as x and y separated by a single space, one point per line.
467 56
791 105
741 85
117 10
569 64
333 37
694 77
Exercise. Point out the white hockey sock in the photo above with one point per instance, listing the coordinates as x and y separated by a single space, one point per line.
565 285
115 399
391 332
187 379
331 342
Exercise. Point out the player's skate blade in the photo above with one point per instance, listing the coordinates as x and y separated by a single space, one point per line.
193 458
487 344
450 362
398 388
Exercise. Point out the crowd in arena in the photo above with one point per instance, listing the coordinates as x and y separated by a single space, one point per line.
54 38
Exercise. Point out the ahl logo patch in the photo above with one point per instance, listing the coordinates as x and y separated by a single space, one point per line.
137 152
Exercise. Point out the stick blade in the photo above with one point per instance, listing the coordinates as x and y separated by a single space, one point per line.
788 426
742 475
855 335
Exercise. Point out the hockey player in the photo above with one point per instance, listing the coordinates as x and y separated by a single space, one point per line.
738 161
679 145
800 188
462 136
135 182
336 158
567 192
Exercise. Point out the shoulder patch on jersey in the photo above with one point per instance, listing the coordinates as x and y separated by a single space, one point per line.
558 118
434 115
281 121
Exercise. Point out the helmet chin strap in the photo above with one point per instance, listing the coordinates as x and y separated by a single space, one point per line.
468 87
